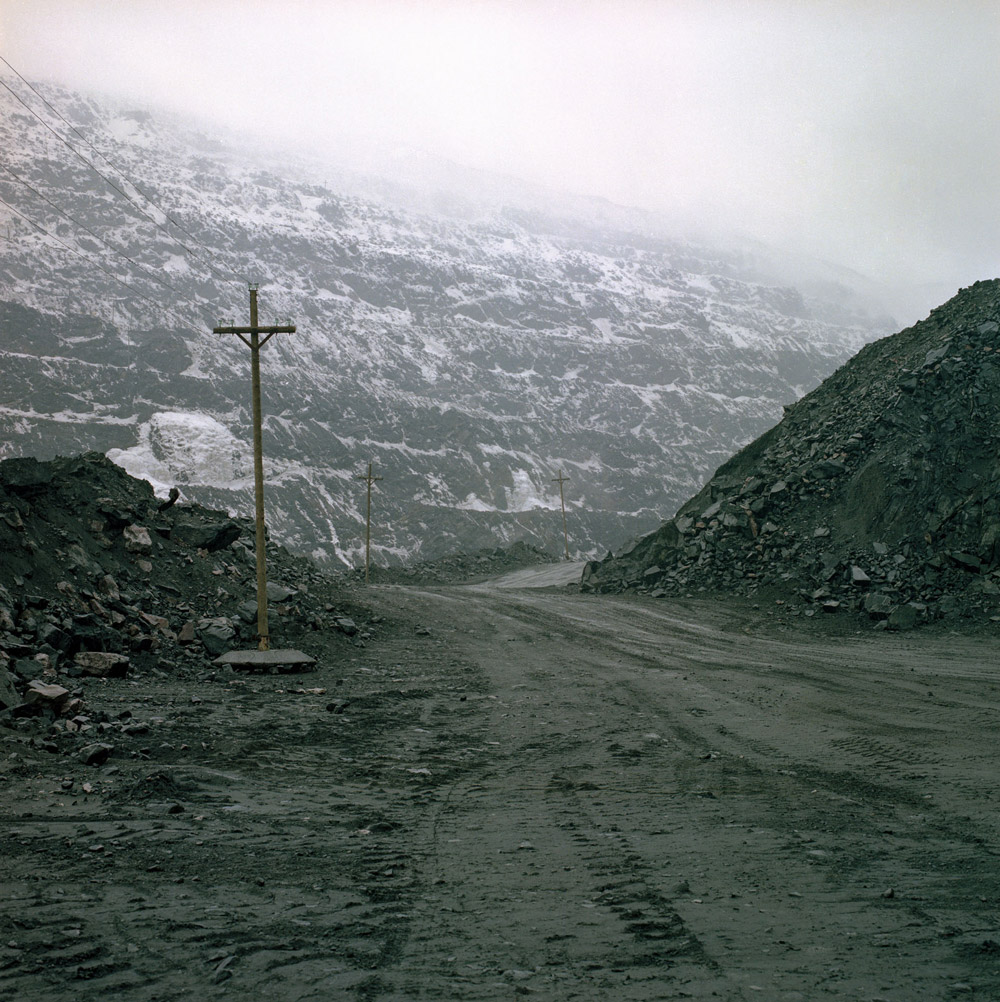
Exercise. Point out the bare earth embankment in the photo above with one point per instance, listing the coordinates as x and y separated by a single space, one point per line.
521 792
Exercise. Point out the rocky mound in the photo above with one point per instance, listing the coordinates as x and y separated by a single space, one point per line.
459 568
878 492
100 577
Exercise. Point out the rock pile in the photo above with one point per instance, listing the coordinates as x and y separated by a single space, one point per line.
99 578
465 567
878 492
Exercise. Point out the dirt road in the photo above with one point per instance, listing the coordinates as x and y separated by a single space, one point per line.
524 792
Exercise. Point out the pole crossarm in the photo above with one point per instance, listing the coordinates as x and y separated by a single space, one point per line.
287 329
255 332
368 476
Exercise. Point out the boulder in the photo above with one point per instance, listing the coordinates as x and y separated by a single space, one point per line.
115 517
95 754
878 604
247 611
217 634
9 696
46 694
24 668
211 537
160 624
903 617
49 633
826 469
102 664
347 625
967 561
137 539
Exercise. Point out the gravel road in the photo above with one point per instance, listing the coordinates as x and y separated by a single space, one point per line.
519 791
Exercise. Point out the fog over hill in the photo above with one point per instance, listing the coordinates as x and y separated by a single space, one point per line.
471 343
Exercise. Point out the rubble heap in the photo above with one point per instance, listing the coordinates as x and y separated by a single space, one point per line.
98 577
878 492
461 568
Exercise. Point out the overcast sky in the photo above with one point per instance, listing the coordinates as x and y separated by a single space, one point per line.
865 132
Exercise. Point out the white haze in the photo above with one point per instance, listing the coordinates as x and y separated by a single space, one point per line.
864 133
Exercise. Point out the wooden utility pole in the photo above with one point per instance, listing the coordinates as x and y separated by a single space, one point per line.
368 520
255 343
114 306
560 480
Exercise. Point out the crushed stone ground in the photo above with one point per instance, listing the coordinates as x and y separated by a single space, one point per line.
517 792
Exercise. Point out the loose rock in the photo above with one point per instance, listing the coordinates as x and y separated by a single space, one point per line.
880 491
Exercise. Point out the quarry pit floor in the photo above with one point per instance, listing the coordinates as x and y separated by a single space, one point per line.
515 791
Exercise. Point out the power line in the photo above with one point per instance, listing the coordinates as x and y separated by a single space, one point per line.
182 322
185 323
110 162
111 184
87 229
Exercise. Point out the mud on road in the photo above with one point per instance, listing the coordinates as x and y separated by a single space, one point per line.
521 792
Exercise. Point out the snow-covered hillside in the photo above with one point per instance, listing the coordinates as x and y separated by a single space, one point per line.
472 354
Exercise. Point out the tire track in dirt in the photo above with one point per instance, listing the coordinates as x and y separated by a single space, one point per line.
771 782
542 795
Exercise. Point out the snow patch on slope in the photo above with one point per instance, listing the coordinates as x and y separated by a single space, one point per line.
523 495
473 502
184 447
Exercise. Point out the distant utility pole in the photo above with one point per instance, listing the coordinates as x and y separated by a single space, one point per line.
560 480
114 306
368 521
255 343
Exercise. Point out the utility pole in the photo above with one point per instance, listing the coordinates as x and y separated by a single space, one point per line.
368 521
560 480
115 300
255 343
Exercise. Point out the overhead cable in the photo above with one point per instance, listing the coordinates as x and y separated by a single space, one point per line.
121 191
55 111
96 236
185 323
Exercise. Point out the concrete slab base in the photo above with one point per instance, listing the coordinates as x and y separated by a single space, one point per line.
267 661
